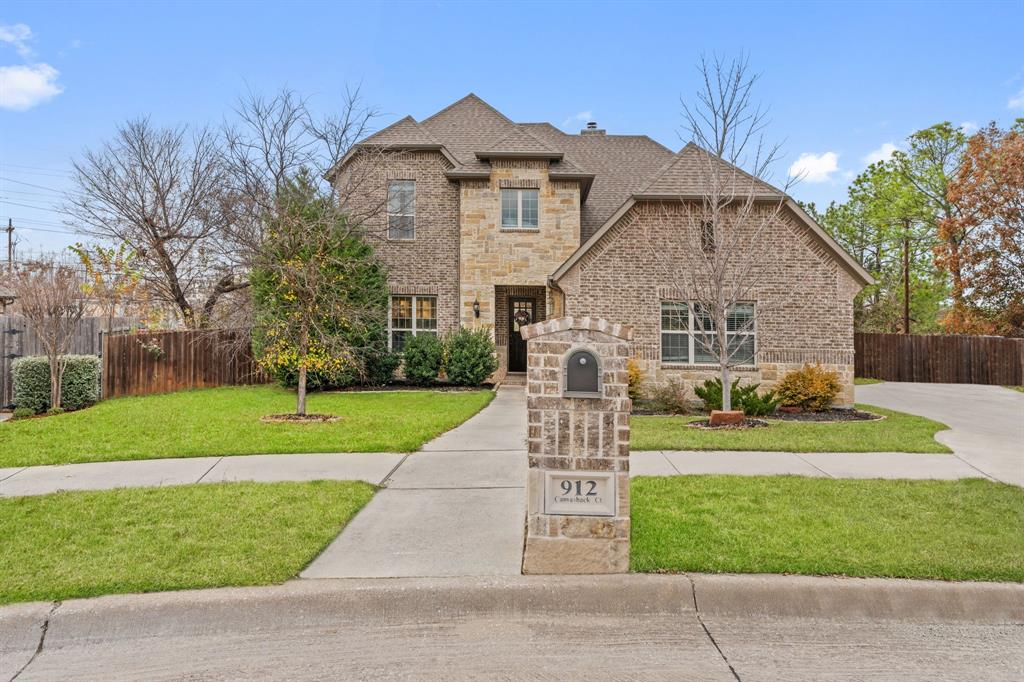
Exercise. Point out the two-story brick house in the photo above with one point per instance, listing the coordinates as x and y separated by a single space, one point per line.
499 224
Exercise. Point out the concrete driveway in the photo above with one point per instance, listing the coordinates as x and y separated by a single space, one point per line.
986 422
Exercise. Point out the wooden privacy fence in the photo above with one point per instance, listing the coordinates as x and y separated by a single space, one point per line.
17 340
159 362
940 359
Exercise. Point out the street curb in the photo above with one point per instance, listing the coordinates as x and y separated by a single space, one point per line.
858 598
313 603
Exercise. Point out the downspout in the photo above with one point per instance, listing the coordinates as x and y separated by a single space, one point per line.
561 292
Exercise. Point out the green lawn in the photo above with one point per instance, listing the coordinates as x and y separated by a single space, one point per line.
864 381
946 530
900 432
1019 389
226 421
83 544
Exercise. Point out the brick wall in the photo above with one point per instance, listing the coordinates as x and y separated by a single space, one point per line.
804 297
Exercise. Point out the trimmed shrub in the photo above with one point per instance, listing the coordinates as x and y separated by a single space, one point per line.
80 387
422 358
23 413
469 356
743 398
670 397
811 387
636 379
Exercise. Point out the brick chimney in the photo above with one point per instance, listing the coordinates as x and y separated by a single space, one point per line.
592 129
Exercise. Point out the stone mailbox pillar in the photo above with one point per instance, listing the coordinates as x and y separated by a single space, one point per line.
578 406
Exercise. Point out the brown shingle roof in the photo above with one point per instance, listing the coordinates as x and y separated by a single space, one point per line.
693 170
405 132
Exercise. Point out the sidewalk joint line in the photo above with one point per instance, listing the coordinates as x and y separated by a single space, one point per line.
812 465
384 481
700 619
42 640
986 475
219 460
664 456
13 474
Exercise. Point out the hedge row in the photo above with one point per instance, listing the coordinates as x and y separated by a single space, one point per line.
79 388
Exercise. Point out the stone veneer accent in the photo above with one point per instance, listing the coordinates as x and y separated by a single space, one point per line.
490 255
577 434
806 297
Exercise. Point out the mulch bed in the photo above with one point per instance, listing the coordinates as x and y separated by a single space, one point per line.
299 418
833 415
747 423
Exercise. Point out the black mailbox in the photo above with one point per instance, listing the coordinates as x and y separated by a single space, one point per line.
583 375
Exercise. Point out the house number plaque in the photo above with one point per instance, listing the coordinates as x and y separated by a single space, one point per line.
579 493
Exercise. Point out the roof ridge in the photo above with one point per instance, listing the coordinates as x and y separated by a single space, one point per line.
519 129
472 96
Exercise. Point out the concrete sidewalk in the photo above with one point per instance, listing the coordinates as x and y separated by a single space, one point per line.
456 508
822 464
652 627
372 467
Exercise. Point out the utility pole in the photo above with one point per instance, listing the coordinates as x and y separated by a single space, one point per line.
906 276
10 246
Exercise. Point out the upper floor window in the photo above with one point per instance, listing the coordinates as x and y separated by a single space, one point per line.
402 209
411 315
688 334
520 208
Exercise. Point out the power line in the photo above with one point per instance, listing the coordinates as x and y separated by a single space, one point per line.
38 208
29 184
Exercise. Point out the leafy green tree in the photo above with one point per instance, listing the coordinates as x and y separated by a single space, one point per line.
319 296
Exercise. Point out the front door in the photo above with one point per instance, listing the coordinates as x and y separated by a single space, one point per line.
521 312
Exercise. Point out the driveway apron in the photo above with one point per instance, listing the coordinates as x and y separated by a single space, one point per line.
455 508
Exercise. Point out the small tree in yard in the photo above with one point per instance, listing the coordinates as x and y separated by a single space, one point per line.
320 298
111 277
49 297
722 228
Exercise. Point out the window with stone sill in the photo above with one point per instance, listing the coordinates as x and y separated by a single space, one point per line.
688 334
409 316
520 209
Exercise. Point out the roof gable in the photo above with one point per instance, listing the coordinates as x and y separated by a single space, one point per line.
693 170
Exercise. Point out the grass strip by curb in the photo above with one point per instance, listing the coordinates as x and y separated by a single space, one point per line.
969 529
83 544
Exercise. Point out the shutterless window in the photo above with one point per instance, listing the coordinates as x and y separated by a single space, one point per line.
520 208
688 334
411 315
402 209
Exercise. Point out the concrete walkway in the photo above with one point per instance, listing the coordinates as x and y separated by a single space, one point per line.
986 422
372 467
456 508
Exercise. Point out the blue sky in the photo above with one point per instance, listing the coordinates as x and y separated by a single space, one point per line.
842 80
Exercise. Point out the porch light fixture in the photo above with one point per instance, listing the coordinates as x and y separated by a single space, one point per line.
476 307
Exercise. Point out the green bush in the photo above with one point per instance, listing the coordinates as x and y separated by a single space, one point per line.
422 358
669 397
469 356
743 398
79 388
812 387
23 413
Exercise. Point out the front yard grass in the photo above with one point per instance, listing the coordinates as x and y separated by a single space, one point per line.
1019 389
946 530
83 544
226 421
899 432
865 381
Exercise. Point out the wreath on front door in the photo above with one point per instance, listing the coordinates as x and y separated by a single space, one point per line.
522 317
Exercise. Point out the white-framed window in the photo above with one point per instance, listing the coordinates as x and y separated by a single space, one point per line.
520 209
688 334
402 209
409 316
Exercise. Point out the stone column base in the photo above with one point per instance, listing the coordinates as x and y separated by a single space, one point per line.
575 556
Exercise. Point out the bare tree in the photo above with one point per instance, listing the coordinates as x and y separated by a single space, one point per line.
161 192
301 190
721 256
49 297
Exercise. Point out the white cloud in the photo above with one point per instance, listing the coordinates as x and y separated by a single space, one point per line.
23 87
17 35
883 153
815 167
583 116
968 127
1017 101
